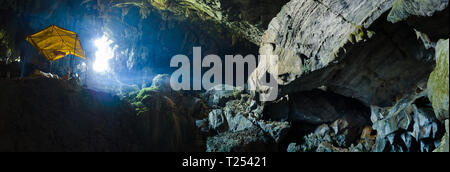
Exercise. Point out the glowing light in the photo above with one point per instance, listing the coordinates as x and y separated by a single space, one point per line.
104 53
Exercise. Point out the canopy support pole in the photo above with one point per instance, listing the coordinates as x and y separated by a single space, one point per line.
85 75
71 66
51 65
73 56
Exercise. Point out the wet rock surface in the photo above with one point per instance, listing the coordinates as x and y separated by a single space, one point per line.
248 18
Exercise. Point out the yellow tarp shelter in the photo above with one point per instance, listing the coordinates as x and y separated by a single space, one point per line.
55 43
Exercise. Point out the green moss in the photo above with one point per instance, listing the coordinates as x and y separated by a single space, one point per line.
2 33
397 13
360 34
145 91
138 100
370 34
351 38
237 92
139 107
438 83
306 66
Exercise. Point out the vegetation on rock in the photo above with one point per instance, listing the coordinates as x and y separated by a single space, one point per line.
438 82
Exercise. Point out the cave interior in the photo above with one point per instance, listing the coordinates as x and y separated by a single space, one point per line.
350 76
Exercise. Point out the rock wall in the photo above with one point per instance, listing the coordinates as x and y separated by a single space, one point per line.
429 17
348 46
246 18
378 52
146 37
408 126
369 59
438 81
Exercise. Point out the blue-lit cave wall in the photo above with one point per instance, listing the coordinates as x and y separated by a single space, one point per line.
28 17
145 44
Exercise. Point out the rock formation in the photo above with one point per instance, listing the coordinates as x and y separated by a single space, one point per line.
347 46
408 126
167 118
236 121
438 81
247 18
429 17
379 52
353 76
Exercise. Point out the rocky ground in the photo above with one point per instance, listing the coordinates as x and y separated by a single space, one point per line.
41 114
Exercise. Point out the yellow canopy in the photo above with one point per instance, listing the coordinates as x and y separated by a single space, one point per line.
55 43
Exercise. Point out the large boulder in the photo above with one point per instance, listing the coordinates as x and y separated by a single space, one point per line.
348 46
438 81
